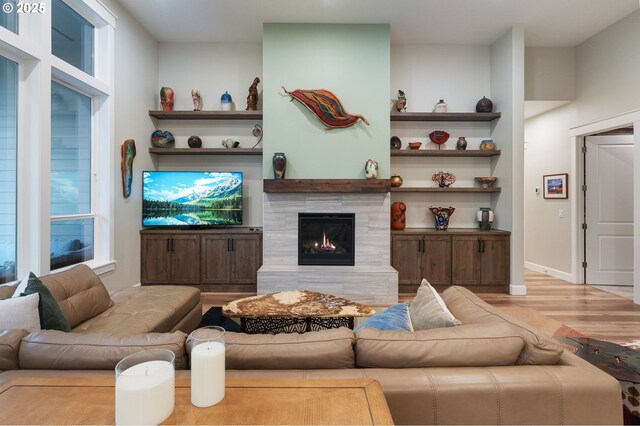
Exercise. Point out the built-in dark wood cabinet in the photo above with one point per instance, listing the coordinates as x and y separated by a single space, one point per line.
211 259
478 260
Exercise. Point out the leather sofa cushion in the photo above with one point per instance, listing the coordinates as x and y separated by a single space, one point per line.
145 309
6 291
476 345
56 350
539 349
318 349
79 293
9 346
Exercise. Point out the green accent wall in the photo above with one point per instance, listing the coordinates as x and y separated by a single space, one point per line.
352 61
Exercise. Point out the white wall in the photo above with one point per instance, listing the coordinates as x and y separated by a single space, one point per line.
136 77
606 86
461 76
550 73
507 89
548 151
607 71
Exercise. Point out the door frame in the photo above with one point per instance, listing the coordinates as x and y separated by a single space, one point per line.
577 135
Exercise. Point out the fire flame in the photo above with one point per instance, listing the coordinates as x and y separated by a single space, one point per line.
326 245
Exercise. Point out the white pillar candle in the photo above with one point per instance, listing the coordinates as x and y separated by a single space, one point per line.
145 393
207 374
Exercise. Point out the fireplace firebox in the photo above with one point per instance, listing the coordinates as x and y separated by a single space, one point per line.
326 239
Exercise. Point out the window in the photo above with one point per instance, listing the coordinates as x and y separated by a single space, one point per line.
71 37
71 201
9 16
8 168
57 159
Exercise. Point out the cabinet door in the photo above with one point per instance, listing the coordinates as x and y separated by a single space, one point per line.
155 259
465 260
406 258
246 259
494 260
436 259
215 259
185 259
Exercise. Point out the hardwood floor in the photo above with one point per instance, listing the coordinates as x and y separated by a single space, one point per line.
593 312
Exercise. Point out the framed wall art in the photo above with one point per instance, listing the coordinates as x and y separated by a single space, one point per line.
555 186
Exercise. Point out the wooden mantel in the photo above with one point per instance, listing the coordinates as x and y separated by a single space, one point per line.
327 185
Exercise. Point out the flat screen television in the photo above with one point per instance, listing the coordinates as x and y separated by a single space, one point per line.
194 199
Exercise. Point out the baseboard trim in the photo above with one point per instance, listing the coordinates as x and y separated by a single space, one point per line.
518 290
551 272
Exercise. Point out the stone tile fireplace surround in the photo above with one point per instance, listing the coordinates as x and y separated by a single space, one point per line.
371 280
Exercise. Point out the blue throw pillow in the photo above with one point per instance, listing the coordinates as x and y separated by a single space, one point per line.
396 318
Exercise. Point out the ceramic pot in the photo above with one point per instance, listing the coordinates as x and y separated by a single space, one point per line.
371 169
487 145
440 106
166 98
226 101
485 218
194 142
279 165
461 145
484 105
396 181
442 215
162 139
398 217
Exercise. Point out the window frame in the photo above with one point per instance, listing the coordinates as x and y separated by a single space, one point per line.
31 48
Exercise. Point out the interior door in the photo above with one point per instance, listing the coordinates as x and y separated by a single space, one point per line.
609 210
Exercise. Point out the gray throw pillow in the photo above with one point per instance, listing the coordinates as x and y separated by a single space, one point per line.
428 310
51 316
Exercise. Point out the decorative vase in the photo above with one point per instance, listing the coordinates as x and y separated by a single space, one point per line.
162 139
461 145
484 105
371 169
442 215
401 102
197 100
398 217
485 218
226 101
279 165
396 181
166 98
440 106
487 145
194 142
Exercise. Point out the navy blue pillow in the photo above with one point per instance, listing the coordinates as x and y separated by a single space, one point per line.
396 318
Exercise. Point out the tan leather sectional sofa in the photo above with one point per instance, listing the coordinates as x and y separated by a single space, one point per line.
491 370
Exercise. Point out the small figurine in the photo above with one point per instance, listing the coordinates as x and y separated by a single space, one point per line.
252 99
401 103
166 98
371 169
197 100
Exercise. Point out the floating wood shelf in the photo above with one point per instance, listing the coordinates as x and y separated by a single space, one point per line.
449 231
445 116
327 185
205 151
443 153
206 115
448 190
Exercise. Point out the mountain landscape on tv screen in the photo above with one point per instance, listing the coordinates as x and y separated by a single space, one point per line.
192 198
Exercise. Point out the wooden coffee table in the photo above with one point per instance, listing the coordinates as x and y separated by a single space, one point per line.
64 400
294 311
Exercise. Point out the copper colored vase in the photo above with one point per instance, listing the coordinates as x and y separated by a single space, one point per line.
398 218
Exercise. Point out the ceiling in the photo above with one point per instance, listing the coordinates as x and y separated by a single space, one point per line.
550 23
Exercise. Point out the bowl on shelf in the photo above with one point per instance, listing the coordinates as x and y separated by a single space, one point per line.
439 137
486 181
415 145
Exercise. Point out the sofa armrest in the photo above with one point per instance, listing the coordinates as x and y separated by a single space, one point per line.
9 346
55 350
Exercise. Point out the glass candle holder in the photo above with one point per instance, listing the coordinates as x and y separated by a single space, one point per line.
145 387
207 366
